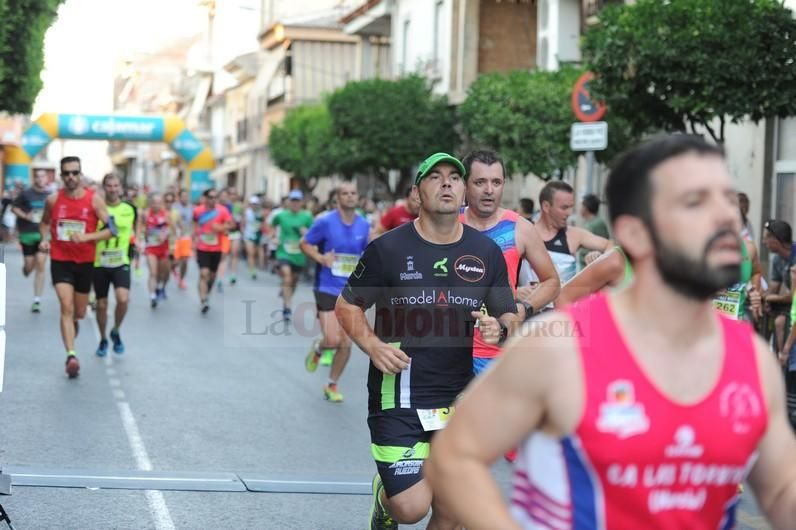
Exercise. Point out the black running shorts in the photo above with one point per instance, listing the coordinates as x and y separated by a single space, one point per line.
29 250
399 446
324 301
105 276
208 260
295 269
79 275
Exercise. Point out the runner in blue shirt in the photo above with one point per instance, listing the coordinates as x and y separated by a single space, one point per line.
335 241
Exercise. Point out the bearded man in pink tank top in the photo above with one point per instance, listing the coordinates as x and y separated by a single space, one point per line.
643 408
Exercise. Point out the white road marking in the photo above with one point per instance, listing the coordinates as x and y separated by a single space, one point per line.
157 503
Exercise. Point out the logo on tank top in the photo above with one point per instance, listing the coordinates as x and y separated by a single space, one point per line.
684 446
740 404
620 414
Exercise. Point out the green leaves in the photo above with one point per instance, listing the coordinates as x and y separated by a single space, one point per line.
303 144
23 24
385 125
673 65
526 116
367 127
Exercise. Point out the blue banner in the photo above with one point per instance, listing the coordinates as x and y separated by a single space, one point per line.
127 128
17 173
200 181
187 146
34 140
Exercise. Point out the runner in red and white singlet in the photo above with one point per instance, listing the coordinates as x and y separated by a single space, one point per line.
514 235
640 409
69 231
157 228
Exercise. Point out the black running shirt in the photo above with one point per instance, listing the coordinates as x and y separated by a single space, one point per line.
424 294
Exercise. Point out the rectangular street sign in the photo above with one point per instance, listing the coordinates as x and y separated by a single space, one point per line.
589 136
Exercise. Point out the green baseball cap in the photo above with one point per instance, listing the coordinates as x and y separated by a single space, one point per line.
429 163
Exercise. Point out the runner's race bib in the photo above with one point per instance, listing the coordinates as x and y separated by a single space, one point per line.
435 419
292 247
234 236
66 227
112 258
728 302
209 238
344 264
156 237
35 216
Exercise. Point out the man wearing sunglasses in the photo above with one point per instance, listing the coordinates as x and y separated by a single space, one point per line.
70 219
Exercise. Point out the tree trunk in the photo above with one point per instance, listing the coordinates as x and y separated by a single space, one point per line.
403 184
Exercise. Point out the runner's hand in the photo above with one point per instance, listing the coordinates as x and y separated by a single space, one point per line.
327 260
44 246
489 327
783 357
755 303
591 256
77 237
388 359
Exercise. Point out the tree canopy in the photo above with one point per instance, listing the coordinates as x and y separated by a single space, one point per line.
679 65
526 116
23 24
303 144
383 125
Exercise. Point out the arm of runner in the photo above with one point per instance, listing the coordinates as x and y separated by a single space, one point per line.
17 208
327 260
773 477
44 225
314 237
101 210
364 287
139 230
501 407
755 304
589 241
607 270
534 251
388 359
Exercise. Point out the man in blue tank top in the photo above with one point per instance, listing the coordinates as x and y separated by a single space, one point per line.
335 241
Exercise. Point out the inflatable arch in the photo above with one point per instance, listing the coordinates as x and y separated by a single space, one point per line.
169 129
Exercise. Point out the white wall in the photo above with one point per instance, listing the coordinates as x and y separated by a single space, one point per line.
745 147
420 42
558 39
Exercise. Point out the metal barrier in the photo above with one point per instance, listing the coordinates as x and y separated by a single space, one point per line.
5 480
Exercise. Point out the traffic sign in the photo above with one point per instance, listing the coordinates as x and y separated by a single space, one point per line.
586 109
589 136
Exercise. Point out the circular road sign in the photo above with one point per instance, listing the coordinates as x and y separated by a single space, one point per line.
584 107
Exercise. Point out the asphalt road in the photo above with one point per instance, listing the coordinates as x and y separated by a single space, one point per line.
193 396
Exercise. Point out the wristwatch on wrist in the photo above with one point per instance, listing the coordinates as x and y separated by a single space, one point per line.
504 332
528 308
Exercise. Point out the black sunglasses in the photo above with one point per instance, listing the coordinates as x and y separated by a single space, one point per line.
212 196
74 173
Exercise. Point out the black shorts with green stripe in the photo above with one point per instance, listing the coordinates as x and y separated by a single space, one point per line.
399 445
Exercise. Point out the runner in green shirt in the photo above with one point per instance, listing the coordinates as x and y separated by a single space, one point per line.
293 222
112 265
